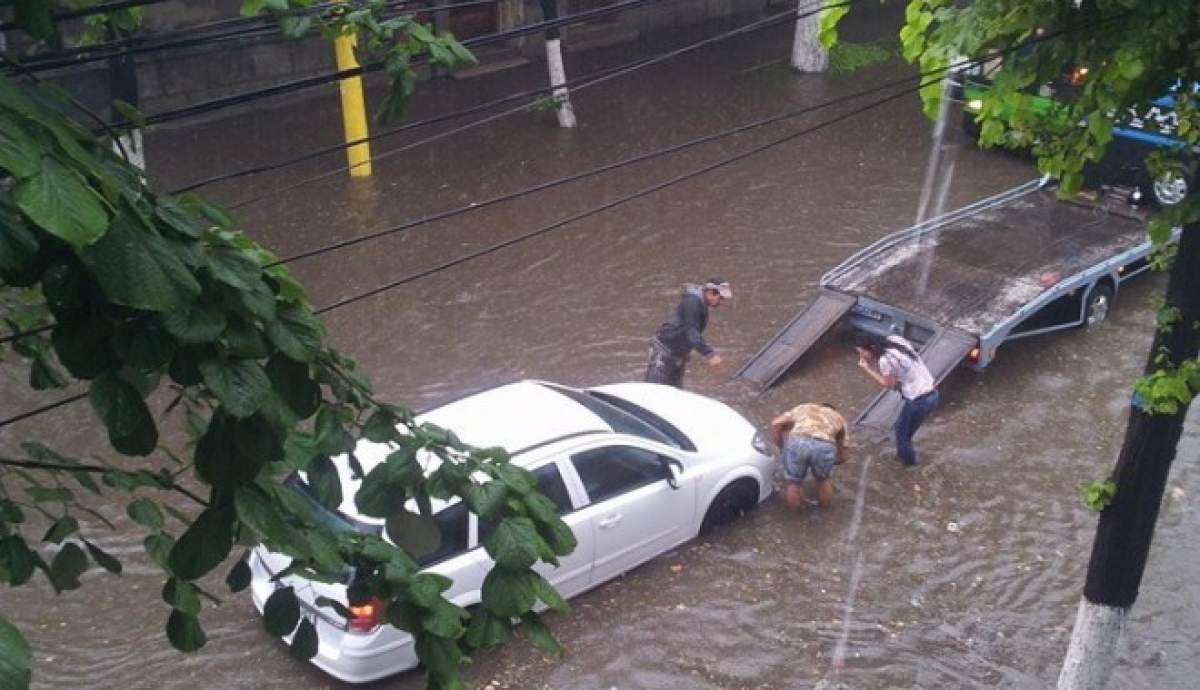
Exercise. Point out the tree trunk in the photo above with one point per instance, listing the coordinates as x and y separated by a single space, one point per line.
807 53
1126 527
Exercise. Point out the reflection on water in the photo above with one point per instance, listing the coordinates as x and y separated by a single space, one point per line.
963 572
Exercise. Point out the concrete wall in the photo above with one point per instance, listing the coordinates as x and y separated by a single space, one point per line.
176 78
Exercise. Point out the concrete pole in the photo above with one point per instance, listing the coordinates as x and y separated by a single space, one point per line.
807 53
354 109
558 72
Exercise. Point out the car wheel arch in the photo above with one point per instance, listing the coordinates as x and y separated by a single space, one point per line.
740 474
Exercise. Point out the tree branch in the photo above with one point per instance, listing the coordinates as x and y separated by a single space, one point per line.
97 469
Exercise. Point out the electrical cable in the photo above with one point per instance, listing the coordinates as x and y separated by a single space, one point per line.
329 77
88 11
411 277
786 16
577 85
242 28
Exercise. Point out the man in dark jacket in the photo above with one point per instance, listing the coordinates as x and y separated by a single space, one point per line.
684 332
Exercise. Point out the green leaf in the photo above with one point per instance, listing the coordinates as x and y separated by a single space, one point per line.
35 18
509 593
281 613
14 658
19 155
181 596
549 596
233 268
41 494
445 620
380 426
486 630
296 332
426 589
384 489
131 114
139 269
184 632
486 499
10 512
82 347
45 376
18 559
182 221
257 512
68 564
62 528
416 534
102 558
440 656
158 547
294 386
145 512
239 575
59 202
233 451
324 481
131 429
241 385
514 543
304 642
144 344
539 634
204 545
518 479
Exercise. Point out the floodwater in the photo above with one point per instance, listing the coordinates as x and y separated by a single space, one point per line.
964 572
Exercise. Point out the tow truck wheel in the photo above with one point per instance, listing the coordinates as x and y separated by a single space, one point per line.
1098 302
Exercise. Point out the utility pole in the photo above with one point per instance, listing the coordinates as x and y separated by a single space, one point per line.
558 72
1126 527
807 53
354 109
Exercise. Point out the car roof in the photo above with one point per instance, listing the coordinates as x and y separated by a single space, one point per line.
514 416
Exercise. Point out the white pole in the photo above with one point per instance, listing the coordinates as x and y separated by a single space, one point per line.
1093 650
558 77
807 53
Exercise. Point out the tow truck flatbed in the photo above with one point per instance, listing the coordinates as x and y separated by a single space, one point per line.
1016 264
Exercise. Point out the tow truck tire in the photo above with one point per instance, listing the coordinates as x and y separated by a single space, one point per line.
1099 301
1170 188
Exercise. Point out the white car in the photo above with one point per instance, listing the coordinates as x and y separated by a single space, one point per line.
635 468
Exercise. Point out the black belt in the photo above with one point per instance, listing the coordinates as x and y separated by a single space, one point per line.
920 397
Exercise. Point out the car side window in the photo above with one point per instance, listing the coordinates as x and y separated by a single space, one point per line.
550 484
613 470
452 523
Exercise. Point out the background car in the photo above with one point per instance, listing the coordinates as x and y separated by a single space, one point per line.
635 469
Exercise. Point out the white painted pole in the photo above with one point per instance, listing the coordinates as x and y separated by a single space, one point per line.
1093 651
558 77
807 53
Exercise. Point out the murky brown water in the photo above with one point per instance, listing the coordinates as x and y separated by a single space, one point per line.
963 572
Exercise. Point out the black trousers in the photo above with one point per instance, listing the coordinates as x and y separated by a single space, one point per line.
665 366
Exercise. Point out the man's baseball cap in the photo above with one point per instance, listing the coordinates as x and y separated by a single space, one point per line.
721 286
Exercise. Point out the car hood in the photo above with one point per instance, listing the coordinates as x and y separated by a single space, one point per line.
711 425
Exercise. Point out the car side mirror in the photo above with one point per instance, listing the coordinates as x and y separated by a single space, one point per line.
672 465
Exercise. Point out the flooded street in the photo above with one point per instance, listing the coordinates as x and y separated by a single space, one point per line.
963 572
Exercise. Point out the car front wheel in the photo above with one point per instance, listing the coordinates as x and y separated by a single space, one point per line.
732 501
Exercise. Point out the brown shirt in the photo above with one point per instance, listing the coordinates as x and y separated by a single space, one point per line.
818 421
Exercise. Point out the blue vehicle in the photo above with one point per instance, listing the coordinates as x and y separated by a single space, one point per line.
1140 132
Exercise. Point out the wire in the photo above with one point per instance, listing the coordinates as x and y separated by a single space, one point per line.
241 28
88 11
576 84
581 84
317 80
641 193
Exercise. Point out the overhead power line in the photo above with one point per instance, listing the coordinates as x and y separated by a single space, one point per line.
767 22
88 11
411 277
330 77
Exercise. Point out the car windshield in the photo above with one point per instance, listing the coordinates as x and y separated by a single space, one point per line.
627 418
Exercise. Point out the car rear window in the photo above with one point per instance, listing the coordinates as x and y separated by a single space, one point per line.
550 484
452 523
622 421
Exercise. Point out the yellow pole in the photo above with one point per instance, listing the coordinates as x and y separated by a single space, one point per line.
354 111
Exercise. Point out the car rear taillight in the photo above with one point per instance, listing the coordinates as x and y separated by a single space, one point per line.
365 617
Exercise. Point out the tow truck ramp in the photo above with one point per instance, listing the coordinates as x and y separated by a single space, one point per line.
796 338
944 351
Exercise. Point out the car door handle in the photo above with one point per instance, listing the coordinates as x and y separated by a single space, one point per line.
610 521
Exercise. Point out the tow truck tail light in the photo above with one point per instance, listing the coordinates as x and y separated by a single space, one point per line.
973 355
365 617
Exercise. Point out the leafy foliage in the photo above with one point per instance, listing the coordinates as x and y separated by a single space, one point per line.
1097 495
170 315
